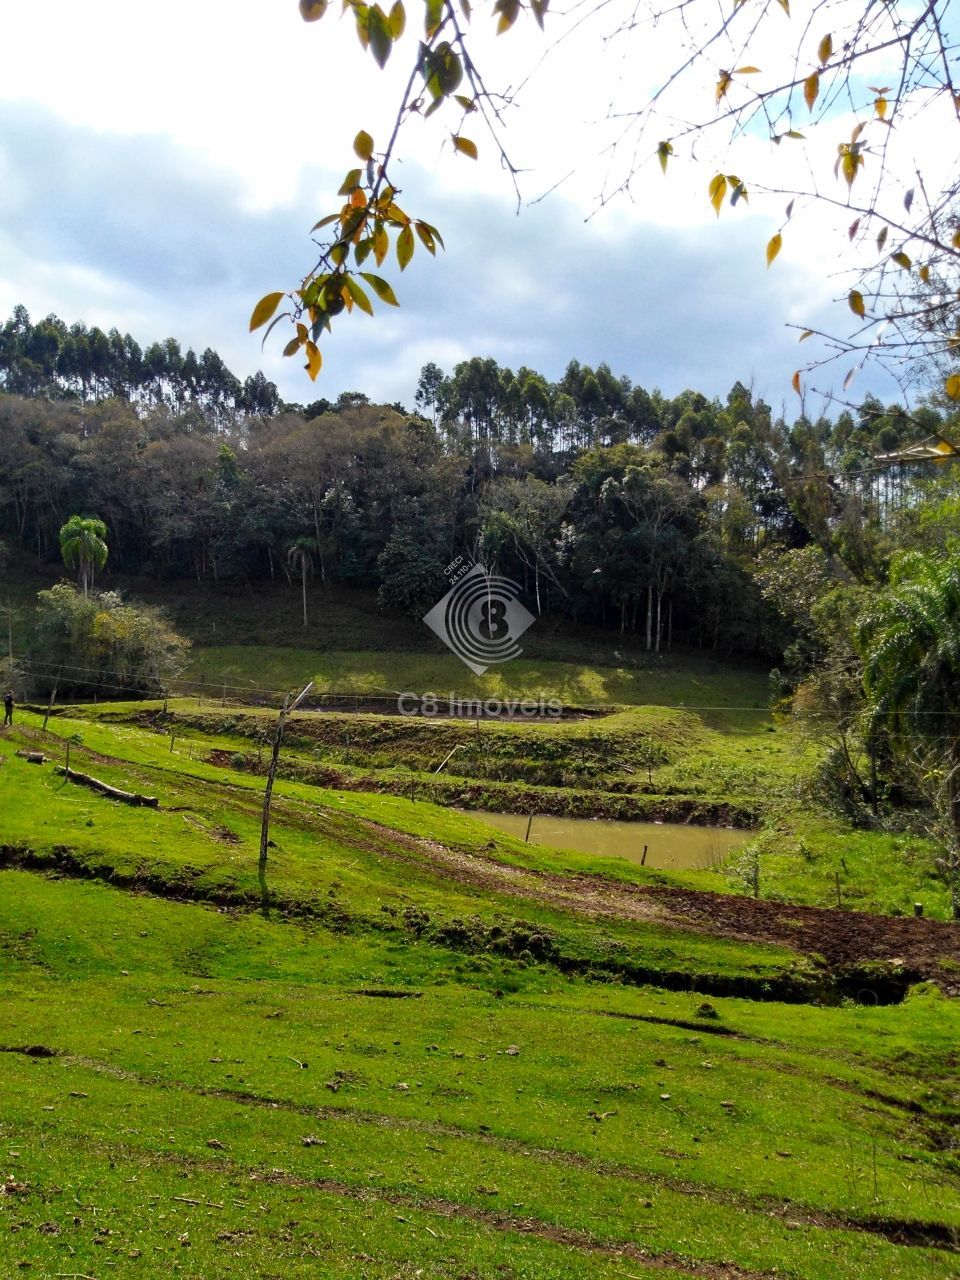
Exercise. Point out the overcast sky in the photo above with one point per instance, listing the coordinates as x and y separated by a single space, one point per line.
160 168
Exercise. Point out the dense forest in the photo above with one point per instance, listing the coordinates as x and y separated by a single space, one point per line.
666 517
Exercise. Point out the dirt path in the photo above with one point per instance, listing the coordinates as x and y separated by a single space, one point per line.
842 938
920 947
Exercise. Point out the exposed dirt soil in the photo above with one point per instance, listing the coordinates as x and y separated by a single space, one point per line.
843 938
907 946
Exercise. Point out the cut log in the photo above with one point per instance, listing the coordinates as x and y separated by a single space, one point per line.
32 757
126 797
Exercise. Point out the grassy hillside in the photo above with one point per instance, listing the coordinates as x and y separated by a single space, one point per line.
251 635
231 1095
414 1047
724 766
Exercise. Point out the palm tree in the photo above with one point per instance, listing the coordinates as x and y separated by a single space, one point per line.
300 559
83 547
910 643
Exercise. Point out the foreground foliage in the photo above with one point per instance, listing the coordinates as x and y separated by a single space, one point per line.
695 90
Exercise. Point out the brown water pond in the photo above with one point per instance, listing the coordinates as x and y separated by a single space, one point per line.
670 846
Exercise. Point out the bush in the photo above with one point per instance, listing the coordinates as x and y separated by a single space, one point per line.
100 643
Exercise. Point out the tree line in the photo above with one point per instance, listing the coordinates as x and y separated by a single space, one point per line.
609 503
86 365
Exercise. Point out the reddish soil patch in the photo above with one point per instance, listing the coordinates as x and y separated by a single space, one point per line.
841 937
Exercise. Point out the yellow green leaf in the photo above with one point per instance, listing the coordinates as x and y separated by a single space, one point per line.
264 309
747 71
807 333
508 11
855 301
902 260
717 189
442 70
426 237
882 238
952 386
350 182
433 17
785 6
723 84
397 20
955 241
880 106
850 163
380 288
381 243
811 88
924 274
436 234
825 49
465 146
324 222
773 247
363 146
292 347
312 10
664 152
314 360
358 296
405 246
361 14
379 35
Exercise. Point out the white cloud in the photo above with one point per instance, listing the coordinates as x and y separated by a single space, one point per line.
205 139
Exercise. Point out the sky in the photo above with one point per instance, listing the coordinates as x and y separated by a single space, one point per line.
161 168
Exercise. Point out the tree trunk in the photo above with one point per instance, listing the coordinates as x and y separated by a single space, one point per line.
303 581
649 616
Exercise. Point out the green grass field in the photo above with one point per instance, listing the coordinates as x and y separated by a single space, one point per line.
224 1099
723 765
414 1047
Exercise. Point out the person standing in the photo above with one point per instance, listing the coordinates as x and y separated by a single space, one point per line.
8 708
